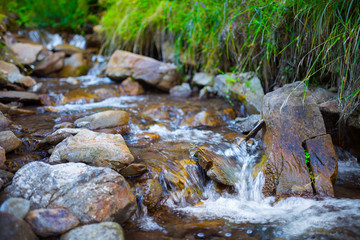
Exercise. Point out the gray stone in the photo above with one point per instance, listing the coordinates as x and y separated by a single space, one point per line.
9 141
5 178
4 122
51 222
13 75
92 194
124 64
104 119
206 92
203 79
183 90
14 228
245 87
19 96
97 149
18 207
245 125
26 53
104 230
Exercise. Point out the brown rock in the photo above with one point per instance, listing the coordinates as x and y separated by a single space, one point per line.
5 178
17 96
97 149
67 49
9 141
74 66
26 53
324 164
51 222
15 228
134 169
123 130
2 156
13 75
156 112
104 119
78 96
145 139
290 121
206 118
150 192
124 64
217 167
92 194
49 62
131 87
105 93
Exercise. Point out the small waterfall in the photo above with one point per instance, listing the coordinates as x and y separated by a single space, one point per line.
78 41
44 37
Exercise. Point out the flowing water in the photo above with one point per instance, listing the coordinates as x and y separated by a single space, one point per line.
193 206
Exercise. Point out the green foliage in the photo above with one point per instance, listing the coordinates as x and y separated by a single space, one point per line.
59 14
283 40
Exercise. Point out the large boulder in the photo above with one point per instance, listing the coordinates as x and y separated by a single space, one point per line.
294 124
13 75
92 194
245 87
26 53
124 64
104 119
97 149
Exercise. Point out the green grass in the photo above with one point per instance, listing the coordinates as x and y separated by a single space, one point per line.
307 40
58 14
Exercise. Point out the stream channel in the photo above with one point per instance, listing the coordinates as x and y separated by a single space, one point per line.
193 206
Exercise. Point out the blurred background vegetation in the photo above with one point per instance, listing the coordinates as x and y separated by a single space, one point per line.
316 41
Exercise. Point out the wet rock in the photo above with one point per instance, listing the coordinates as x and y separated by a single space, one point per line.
26 53
92 194
206 118
74 66
97 149
64 125
18 96
104 230
78 96
245 87
18 207
13 75
60 134
51 222
2 156
14 228
124 64
5 178
105 93
134 169
203 79
324 164
49 62
67 49
245 125
9 141
217 167
103 120
131 87
206 92
145 139
150 192
290 121
123 130
4 122
183 91
157 112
